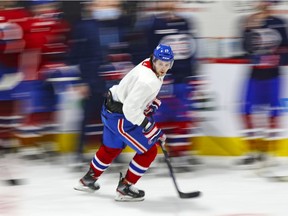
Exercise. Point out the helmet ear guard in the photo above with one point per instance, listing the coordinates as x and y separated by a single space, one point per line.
164 53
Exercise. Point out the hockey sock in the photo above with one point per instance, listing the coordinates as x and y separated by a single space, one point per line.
103 158
139 164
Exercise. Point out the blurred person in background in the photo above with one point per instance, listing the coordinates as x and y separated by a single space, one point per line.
46 46
165 25
266 44
124 115
12 45
99 48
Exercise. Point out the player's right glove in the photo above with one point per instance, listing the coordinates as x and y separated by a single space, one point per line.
150 110
153 133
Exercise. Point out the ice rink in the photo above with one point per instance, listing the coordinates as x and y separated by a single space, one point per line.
226 191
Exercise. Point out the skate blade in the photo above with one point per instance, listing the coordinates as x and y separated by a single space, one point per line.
252 166
81 187
122 198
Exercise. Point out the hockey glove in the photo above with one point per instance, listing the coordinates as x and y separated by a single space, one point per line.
153 133
150 110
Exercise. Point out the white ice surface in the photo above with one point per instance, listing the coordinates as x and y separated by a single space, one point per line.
226 192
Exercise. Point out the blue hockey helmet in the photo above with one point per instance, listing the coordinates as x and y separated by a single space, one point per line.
164 53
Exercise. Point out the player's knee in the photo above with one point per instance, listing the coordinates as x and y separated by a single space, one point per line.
147 157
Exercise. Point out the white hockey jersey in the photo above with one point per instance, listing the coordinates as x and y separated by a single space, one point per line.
137 90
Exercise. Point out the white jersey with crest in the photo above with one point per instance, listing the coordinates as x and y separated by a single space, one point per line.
137 90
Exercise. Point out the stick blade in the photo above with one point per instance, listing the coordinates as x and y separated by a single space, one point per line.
194 194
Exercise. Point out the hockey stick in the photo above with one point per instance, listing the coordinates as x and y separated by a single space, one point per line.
182 195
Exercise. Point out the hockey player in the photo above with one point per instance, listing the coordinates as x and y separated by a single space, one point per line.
265 41
46 46
168 27
126 124
98 48
12 45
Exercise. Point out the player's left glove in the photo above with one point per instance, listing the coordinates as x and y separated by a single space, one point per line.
150 110
153 133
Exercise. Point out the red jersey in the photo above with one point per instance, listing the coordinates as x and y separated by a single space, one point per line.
12 43
48 36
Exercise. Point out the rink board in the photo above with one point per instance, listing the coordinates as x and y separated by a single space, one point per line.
221 129
214 146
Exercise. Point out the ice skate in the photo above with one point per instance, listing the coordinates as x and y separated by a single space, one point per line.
254 161
249 161
88 183
267 160
126 192
186 163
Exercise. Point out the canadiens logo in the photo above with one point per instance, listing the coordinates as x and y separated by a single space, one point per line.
183 45
264 40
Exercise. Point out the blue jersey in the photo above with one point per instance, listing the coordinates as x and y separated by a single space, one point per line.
92 41
266 45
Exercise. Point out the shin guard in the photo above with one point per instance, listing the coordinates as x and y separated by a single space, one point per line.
139 164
